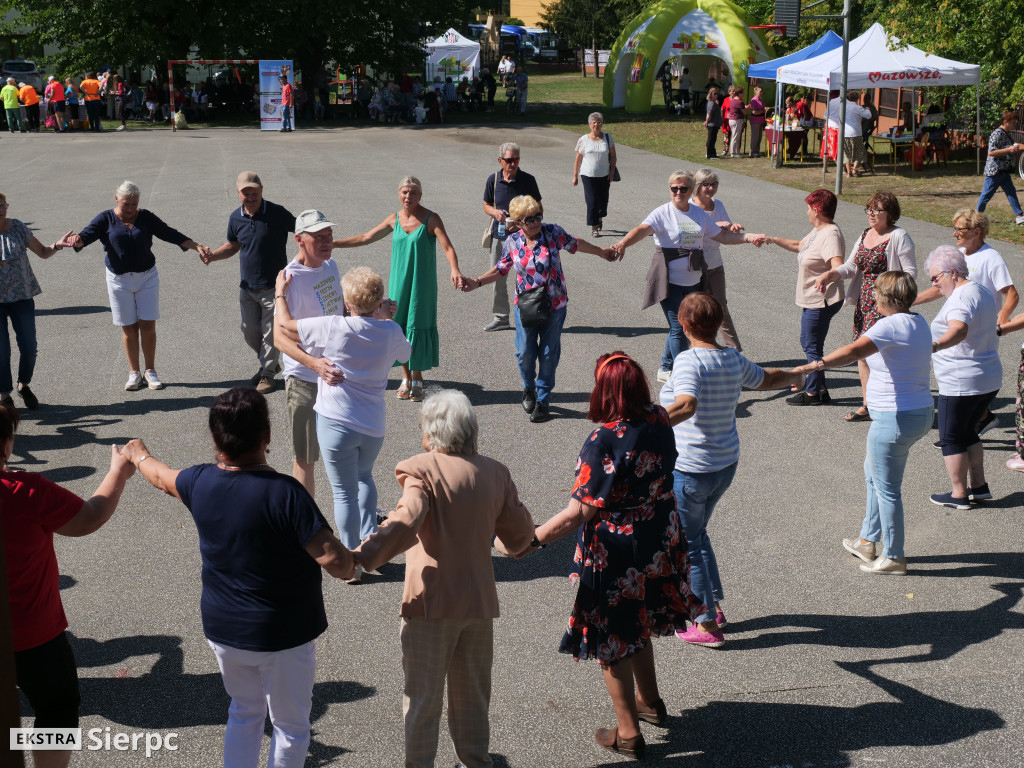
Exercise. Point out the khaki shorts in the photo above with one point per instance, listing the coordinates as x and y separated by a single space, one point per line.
301 396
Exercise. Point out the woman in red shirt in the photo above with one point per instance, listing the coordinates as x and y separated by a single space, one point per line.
32 509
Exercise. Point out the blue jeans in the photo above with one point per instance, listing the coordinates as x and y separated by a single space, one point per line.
286 118
889 440
23 319
697 493
1002 180
676 341
348 459
94 109
814 325
543 344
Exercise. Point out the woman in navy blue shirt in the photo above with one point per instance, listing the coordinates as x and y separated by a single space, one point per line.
263 542
133 284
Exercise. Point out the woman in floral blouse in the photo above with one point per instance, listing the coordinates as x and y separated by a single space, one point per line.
630 562
534 252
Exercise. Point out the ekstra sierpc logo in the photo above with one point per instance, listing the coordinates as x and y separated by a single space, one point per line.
94 739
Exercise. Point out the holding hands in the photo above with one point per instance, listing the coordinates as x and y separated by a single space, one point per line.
70 240
755 240
205 253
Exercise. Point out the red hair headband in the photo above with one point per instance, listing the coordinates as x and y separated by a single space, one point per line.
613 357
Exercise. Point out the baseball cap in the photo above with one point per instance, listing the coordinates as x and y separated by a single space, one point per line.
248 179
21 85
51 78
311 221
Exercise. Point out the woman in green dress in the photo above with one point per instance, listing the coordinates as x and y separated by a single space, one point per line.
412 283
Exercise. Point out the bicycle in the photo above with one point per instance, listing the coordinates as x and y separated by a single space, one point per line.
512 101
1020 165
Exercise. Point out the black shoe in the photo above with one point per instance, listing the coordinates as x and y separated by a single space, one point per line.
540 414
529 400
825 397
7 400
31 401
802 398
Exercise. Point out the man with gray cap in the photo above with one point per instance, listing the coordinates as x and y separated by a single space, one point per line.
259 229
9 96
314 291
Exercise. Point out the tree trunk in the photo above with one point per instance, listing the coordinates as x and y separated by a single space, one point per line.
583 59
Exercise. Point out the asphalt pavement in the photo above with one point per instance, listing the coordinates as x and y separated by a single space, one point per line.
824 665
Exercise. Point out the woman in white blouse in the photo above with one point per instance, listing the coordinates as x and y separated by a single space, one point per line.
595 163
705 187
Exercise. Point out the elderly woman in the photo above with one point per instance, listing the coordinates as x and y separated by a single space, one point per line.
882 247
350 415
263 543
630 561
701 399
712 121
133 284
18 289
897 351
735 112
967 369
534 252
412 282
33 509
756 110
680 231
595 162
705 187
454 503
816 253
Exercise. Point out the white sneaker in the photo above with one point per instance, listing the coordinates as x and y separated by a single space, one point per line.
1019 220
663 375
357 576
153 380
134 382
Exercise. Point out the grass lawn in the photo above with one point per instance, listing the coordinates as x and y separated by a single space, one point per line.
565 100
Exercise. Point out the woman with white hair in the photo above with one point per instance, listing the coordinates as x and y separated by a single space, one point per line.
350 416
595 164
705 189
680 231
133 284
965 355
412 282
454 503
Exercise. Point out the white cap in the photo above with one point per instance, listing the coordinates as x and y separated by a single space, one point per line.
311 221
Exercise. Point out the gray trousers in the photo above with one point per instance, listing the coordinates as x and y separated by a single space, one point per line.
499 305
258 328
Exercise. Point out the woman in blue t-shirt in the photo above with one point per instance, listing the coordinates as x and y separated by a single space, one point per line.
897 350
263 542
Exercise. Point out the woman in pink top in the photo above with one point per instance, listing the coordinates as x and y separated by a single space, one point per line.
756 111
735 113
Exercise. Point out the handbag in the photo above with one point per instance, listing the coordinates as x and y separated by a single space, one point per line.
534 304
488 240
615 176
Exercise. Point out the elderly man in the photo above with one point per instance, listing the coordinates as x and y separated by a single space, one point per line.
501 187
259 229
30 100
9 95
314 291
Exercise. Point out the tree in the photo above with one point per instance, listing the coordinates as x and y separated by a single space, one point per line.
590 24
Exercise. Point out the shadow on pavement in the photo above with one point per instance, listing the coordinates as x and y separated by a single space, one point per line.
88 309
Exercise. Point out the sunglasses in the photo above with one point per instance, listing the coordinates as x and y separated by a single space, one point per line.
532 219
509 160
679 190
874 211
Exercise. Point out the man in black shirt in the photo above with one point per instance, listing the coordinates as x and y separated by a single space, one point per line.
259 229
500 189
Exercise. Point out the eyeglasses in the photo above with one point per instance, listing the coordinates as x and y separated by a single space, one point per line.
533 219
709 184
874 211
679 190
509 160
935 277
961 230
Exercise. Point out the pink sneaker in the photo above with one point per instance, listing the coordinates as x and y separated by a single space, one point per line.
1016 464
695 636
720 619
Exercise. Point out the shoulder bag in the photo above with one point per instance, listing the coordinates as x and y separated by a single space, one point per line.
615 176
534 304
488 240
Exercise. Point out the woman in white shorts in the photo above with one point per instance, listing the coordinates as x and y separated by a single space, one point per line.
133 284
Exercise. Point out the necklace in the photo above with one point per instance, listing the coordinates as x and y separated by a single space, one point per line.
239 467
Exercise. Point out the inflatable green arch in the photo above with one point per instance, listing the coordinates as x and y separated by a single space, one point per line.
702 32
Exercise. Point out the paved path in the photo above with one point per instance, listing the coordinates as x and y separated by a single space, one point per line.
825 665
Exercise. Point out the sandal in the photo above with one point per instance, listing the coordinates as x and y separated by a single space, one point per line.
416 394
856 415
404 392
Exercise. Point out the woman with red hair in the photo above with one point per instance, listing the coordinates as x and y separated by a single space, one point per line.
821 250
630 562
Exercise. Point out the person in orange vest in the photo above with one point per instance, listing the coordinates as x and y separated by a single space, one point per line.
90 88
30 99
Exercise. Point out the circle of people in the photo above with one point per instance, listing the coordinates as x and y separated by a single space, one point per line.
647 480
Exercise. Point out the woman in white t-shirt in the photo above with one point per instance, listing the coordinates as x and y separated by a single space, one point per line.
965 354
897 349
350 416
705 187
821 250
595 163
680 231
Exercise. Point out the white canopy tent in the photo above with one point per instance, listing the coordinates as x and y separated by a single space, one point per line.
454 56
874 63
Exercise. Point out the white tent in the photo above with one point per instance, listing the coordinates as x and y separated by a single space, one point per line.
873 63
454 56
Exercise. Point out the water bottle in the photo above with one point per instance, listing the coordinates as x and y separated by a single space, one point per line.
501 228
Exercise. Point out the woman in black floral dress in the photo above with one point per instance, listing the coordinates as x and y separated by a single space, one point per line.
630 564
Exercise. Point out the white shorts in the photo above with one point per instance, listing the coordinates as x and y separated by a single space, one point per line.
134 296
